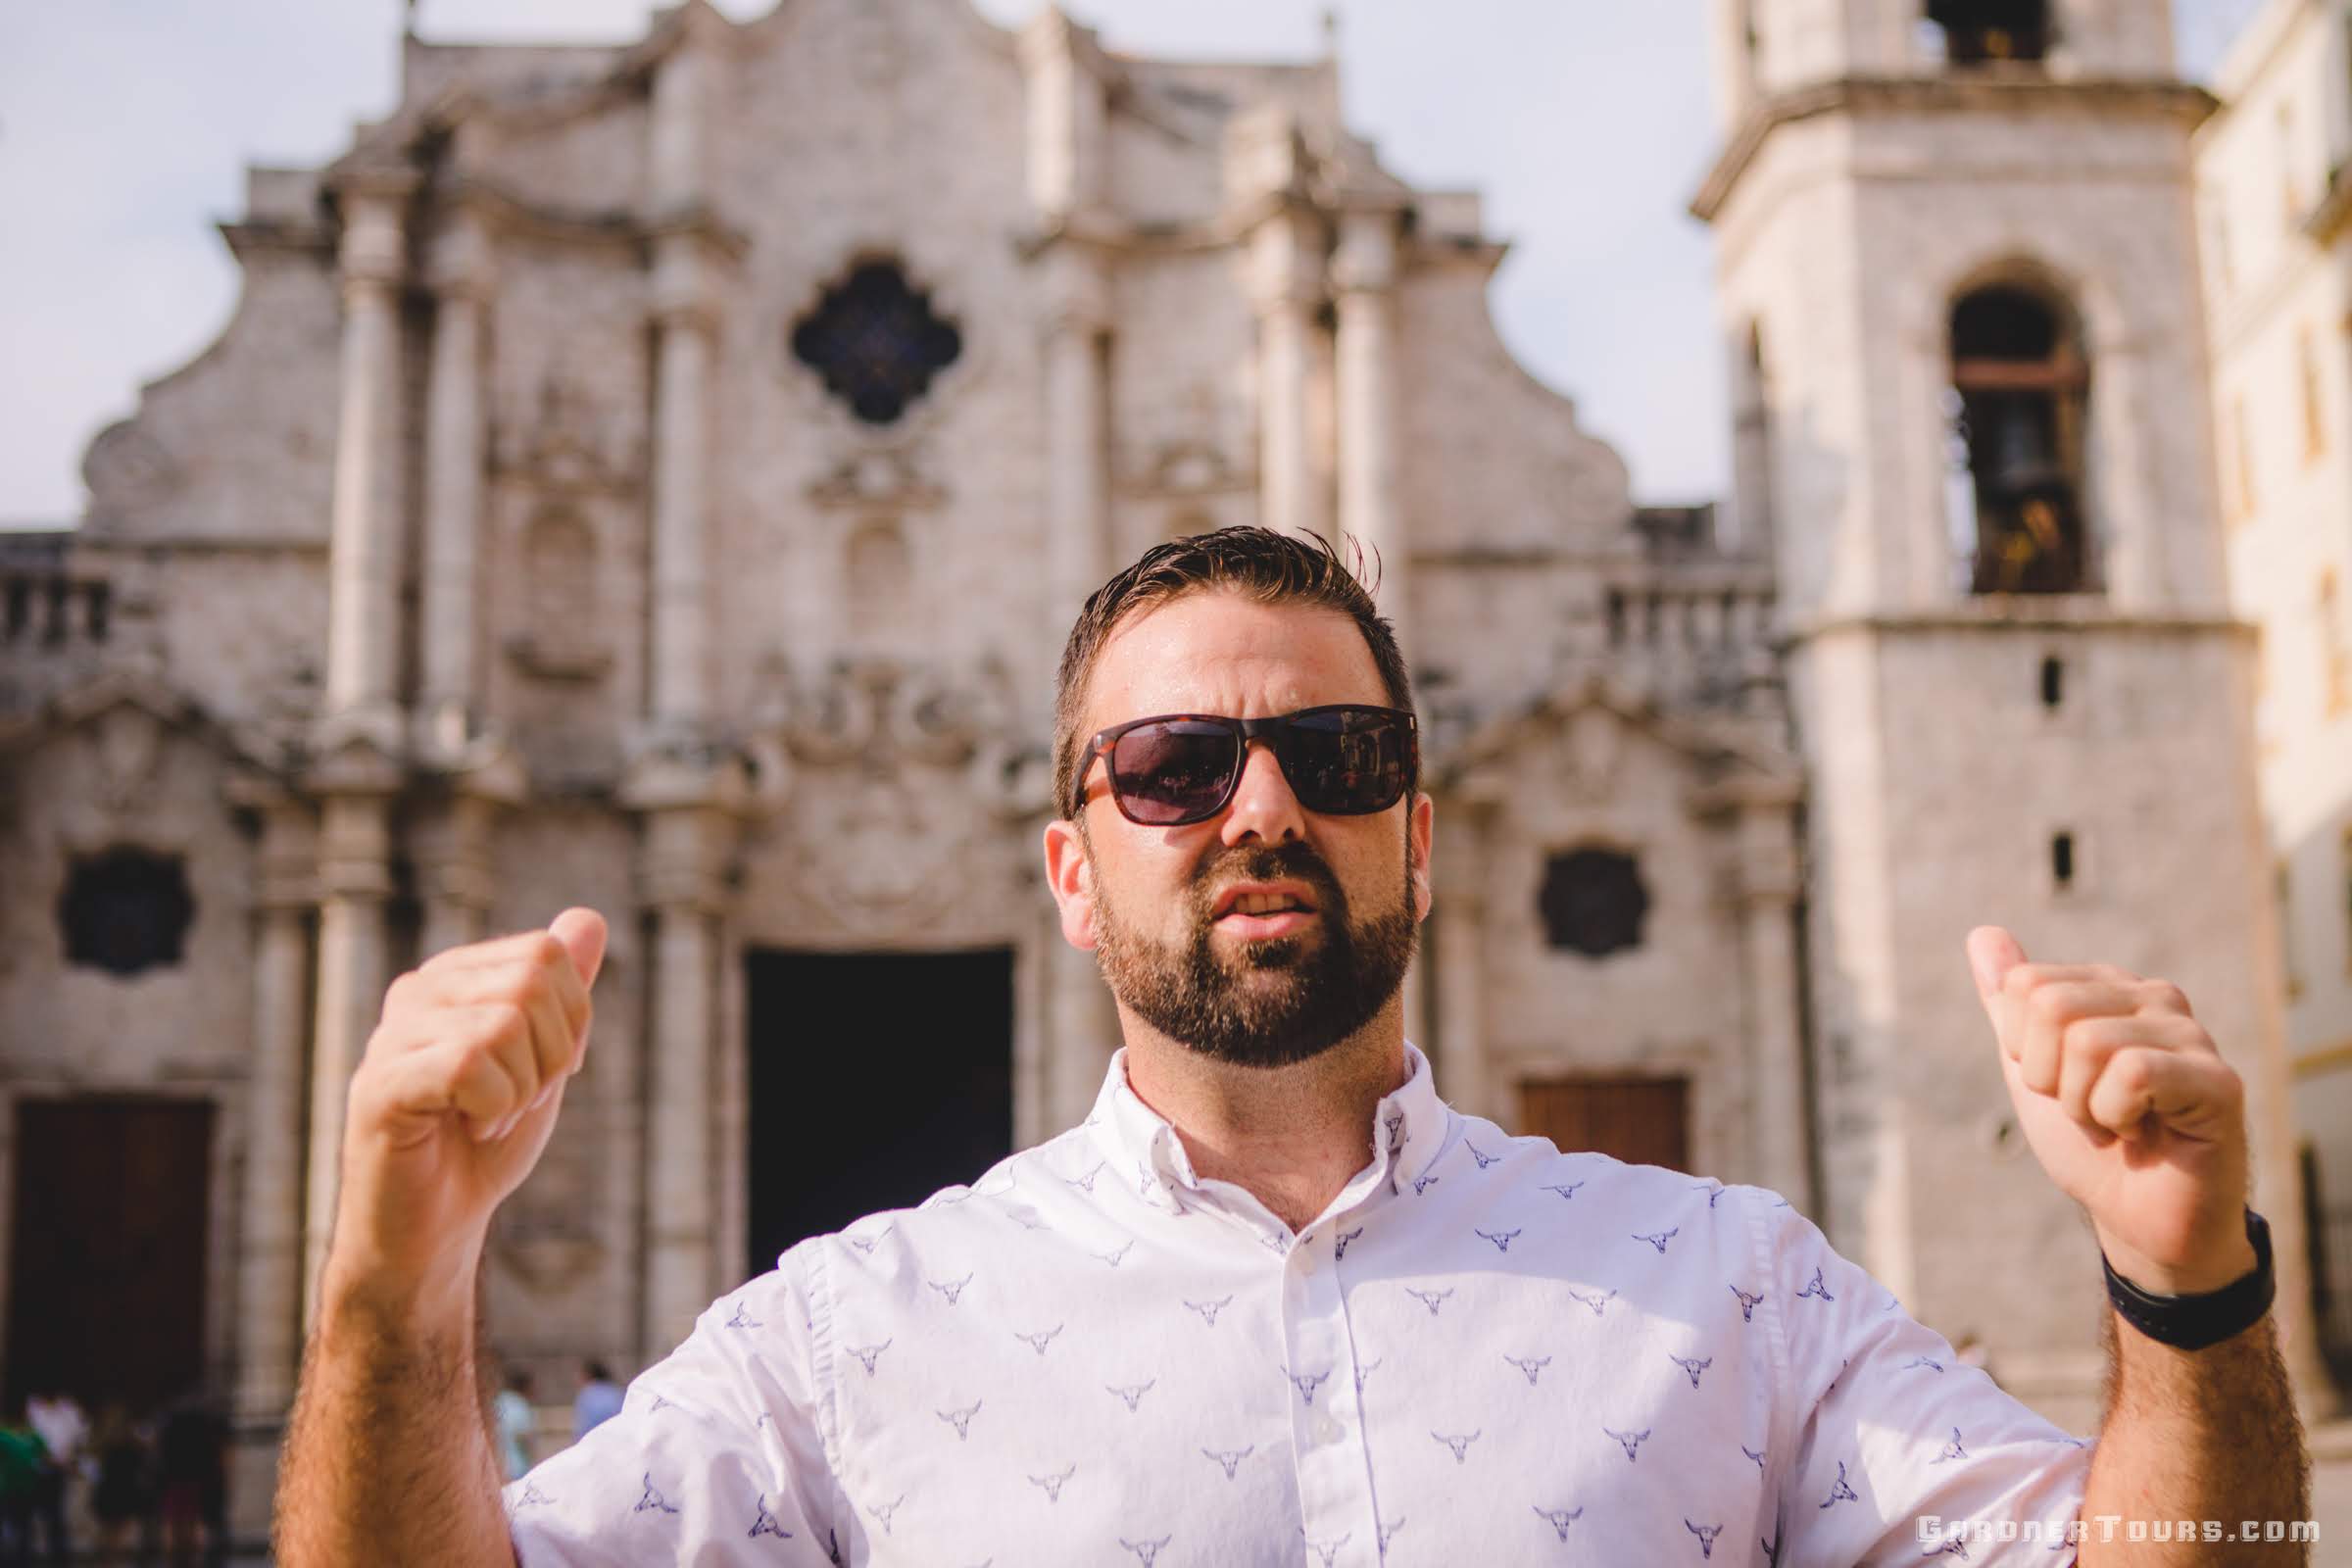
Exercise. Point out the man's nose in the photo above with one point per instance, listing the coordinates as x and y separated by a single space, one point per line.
1264 806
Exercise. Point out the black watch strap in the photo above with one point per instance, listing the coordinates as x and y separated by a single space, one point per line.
2193 1322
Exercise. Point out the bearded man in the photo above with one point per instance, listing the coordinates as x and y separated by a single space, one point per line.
1275 1302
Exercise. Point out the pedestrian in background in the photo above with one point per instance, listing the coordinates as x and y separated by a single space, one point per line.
599 1400
513 1411
123 1493
64 1431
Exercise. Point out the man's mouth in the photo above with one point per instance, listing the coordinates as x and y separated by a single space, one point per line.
1257 913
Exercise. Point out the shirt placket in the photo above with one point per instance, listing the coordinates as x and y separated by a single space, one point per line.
1326 1433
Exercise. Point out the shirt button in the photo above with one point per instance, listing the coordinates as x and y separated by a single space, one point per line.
1326 1429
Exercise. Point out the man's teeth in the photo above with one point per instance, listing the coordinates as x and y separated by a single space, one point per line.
1262 904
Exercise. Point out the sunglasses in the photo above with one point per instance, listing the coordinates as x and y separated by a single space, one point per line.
1175 769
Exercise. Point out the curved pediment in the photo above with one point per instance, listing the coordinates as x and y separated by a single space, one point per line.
1586 731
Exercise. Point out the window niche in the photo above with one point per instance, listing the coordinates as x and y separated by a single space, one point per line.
2020 404
1982 33
563 634
875 340
1593 902
125 911
875 572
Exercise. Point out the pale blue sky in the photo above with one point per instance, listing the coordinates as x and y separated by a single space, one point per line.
125 126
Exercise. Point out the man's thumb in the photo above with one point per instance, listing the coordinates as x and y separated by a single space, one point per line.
1991 953
582 933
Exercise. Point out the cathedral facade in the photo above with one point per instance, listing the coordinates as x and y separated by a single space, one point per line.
661 478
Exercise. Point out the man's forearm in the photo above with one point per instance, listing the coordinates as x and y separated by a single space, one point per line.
388 1458
2196 1435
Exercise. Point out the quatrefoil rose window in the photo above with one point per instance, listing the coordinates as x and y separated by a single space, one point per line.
876 341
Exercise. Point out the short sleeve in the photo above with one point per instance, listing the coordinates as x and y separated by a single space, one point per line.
1894 1432
717 1456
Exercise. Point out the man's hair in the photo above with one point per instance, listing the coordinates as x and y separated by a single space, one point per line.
1270 568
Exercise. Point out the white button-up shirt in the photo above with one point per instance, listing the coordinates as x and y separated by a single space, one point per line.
1485 1350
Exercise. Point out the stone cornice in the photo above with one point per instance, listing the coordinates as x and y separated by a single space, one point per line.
1959 92
2022 612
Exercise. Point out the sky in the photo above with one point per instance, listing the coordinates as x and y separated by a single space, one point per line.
126 127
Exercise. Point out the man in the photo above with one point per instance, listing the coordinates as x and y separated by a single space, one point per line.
1275 1302
597 1402
512 1414
63 1429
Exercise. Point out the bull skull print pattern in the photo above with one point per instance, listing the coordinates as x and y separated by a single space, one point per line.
1049 1368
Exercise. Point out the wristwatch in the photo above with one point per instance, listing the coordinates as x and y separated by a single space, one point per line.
2193 1322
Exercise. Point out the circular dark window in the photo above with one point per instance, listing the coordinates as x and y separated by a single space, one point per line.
1593 902
126 909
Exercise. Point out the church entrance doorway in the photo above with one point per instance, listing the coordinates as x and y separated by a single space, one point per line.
107 1249
876 1079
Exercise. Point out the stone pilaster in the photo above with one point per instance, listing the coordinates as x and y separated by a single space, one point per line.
453 487
1083 1028
1077 305
1767 882
363 658
691 817
452 850
1364 275
1062 84
270 1254
1285 292
1457 933
355 883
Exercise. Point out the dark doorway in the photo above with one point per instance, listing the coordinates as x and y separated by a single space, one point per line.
105 1262
1643 1121
876 1078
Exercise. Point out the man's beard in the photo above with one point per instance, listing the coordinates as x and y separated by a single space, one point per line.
1273 1002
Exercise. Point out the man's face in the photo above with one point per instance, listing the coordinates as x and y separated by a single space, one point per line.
1155 903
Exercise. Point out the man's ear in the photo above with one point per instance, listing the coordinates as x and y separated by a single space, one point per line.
1420 825
1071 875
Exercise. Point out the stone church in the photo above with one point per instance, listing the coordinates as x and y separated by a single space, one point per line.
661 478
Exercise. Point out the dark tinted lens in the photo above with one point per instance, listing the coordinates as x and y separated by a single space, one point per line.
1174 771
1347 762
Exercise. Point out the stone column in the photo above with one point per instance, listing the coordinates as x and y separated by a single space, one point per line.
270 1253
452 486
683 311
689 833
1768 883
363 656
1076 462
1285 290
1364 274
681 589
355 882
1458 917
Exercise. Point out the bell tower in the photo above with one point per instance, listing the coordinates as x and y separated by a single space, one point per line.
1957 280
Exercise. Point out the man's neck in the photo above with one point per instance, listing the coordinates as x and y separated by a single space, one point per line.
1290 1137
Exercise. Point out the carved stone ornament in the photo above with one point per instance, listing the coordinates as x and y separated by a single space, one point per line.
900 778
569 441
884 479
127 470
129 741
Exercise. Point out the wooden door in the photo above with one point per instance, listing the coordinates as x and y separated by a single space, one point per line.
1643 1121
107 1250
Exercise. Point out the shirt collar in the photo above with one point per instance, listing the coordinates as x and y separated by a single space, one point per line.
1408 1129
